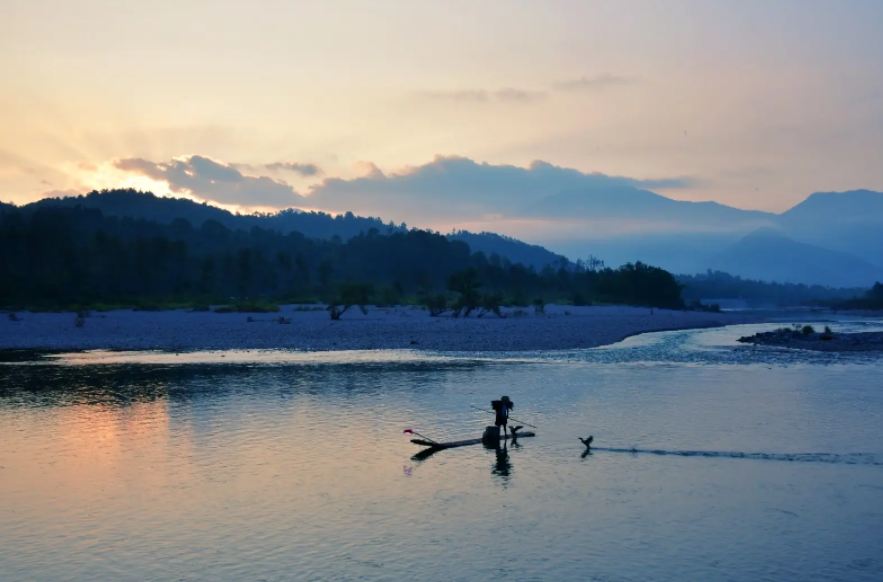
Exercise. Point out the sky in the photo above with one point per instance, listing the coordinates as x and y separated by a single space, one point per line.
271 104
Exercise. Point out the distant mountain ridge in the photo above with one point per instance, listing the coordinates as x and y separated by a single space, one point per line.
490 243
629 202
769 255
695 236
164 210
849 224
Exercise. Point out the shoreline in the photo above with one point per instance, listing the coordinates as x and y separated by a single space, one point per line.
560 328
818 342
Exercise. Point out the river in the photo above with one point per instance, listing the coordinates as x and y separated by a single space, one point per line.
714 461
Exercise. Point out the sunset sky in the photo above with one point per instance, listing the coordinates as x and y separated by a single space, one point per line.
270 104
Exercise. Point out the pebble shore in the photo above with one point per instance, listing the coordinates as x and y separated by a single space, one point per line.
311 328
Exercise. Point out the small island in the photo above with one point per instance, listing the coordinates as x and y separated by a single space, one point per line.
807 338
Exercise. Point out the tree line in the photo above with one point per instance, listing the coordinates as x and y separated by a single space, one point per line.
63 257
720 285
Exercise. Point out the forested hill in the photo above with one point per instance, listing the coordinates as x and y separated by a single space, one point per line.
58 256
519 251
147 206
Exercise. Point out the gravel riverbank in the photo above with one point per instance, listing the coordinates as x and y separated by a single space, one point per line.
821 342
381 328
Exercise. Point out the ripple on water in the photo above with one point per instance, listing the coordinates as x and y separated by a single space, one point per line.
290 465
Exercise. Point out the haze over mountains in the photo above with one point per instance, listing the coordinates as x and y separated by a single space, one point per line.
830 238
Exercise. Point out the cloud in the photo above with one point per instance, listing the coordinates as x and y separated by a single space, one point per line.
481 96
458 188
305 170
596 83
298 168
466 96
681 182
519 96
212 180
368 170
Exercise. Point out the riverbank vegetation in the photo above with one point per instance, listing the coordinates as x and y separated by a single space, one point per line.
74 258
713 285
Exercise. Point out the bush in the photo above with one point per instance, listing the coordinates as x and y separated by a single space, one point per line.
437 305
807 330
490 303
349 295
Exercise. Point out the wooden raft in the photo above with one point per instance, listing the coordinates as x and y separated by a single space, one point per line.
454 444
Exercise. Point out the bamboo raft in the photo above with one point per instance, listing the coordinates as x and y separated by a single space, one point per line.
435 447
466 443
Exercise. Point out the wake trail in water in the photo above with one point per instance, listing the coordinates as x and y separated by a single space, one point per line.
839 459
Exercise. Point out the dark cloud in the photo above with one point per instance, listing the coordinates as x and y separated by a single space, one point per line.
212 180
595 83
213 171
460 188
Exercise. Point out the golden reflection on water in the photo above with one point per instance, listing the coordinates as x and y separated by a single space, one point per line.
281 472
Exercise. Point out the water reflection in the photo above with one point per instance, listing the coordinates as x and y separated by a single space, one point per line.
272 471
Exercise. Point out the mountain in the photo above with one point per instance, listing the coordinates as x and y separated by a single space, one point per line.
677 253
854 206
631 203
687 237
163 210
147 206
850 222
768 255
513 249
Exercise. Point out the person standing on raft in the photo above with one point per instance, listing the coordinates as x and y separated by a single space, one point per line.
501 409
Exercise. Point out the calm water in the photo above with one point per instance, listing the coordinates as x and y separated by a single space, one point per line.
279 466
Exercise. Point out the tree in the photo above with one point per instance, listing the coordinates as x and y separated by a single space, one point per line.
467 285
490 303
437 305
349 295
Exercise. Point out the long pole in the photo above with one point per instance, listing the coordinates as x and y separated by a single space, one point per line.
421 436
510 418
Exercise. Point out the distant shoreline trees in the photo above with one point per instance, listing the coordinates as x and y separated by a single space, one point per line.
57 257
